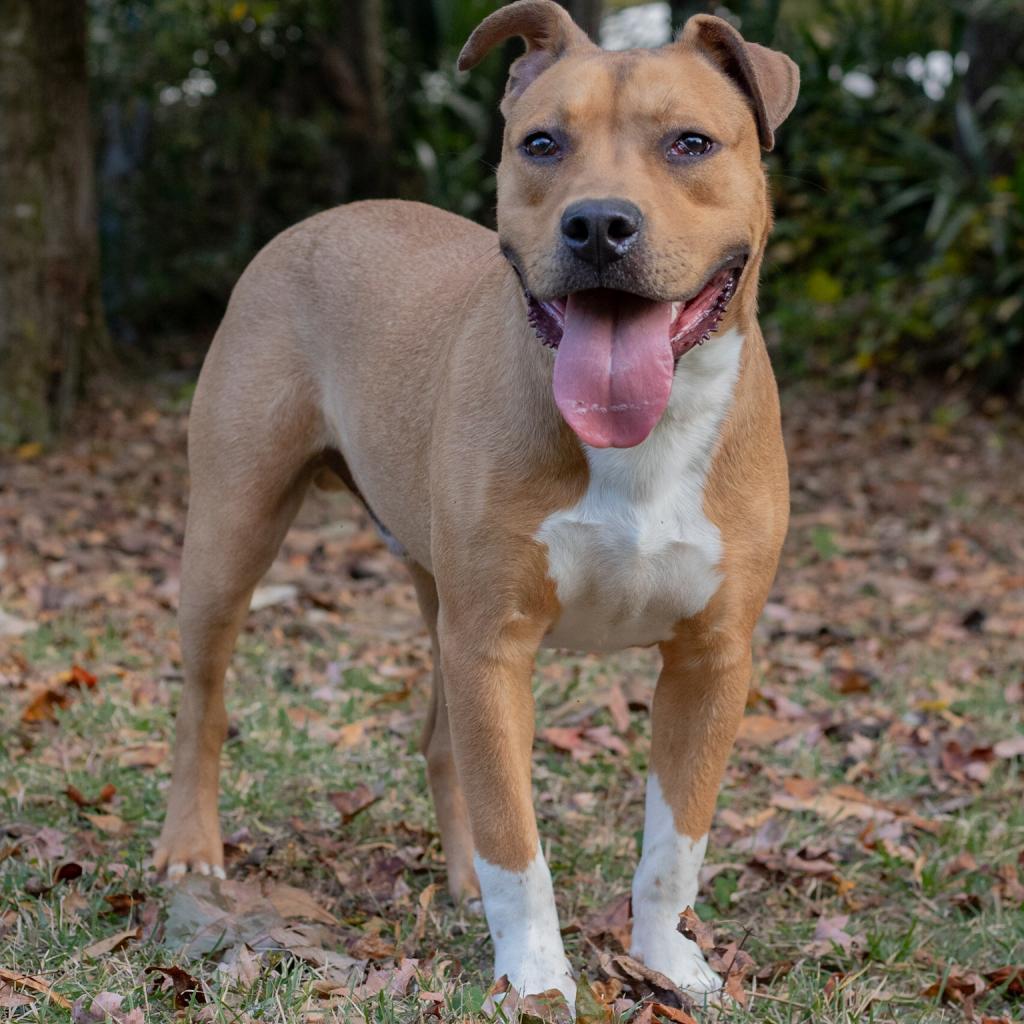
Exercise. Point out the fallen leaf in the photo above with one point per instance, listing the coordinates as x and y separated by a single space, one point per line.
735 965
240 964
691 927
670 1013
109 944
30 983
1007 979
590 1008
1012 747
11 1000
829 933
188 991
106 794
420 928
764 730
957 985
372 947
112 824
11 625
291 902
351 802
614 920
853 680
104 1007
204 913
146 755
124 902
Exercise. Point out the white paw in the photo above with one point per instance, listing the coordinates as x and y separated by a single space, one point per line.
682 961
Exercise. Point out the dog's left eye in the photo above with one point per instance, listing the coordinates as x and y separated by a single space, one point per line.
691 144
540 145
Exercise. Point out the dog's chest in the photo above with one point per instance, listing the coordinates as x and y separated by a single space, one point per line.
638 553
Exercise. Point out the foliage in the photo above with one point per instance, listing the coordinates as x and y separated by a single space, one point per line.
223 123
899 244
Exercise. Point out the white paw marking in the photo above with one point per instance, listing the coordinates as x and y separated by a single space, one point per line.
176 871
521 914
218 872
636 554
665 884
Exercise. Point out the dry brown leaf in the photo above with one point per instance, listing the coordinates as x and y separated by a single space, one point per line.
765 731
691 927
670 1013
1008 979
830 932
351 802
146 755
109 944
29 983
104 1008
420 929
291 902
188 990
112 824
11 1000
614 920
372 947
959 986
124 902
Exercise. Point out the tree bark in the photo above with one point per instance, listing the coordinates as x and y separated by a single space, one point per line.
355 64
51 319
587 14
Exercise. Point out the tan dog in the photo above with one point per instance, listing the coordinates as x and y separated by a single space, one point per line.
544 438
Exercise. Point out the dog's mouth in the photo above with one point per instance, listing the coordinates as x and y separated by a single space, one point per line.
616 352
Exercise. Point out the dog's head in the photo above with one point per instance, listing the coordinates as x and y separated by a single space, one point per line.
631 200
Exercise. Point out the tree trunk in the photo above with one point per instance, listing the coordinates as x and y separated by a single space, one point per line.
586 14
355 67
994 41
51 320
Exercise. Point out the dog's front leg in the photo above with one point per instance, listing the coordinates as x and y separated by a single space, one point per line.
698 705
488 671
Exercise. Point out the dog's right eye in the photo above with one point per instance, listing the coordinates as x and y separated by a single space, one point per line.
540 145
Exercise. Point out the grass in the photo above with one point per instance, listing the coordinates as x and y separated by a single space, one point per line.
325 699
277 774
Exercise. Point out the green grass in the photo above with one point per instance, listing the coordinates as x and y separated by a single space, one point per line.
278 774
326 697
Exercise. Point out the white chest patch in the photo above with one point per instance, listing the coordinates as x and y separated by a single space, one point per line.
637 553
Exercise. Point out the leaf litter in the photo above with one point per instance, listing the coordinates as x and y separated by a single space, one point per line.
897 601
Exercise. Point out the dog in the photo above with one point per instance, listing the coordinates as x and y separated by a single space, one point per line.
569 430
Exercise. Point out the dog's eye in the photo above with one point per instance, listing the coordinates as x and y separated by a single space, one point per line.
540 145
691 144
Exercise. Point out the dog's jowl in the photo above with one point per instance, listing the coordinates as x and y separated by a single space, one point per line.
570 429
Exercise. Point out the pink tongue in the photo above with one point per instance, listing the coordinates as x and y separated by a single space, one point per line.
613 371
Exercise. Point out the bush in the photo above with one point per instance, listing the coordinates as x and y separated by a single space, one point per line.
899 245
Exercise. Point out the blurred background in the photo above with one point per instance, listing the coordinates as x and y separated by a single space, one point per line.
148 148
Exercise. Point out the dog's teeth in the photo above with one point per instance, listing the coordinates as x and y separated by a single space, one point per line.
676 306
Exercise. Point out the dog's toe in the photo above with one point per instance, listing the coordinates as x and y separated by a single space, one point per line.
176 871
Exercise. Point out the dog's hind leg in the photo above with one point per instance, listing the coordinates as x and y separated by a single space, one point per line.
251 455
436 744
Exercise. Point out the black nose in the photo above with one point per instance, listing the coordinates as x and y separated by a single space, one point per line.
601 231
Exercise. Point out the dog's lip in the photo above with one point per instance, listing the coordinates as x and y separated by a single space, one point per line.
548 315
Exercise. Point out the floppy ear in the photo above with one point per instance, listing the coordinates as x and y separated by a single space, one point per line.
769 79
545 27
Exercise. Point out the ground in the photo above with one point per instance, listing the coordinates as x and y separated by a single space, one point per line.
868 851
